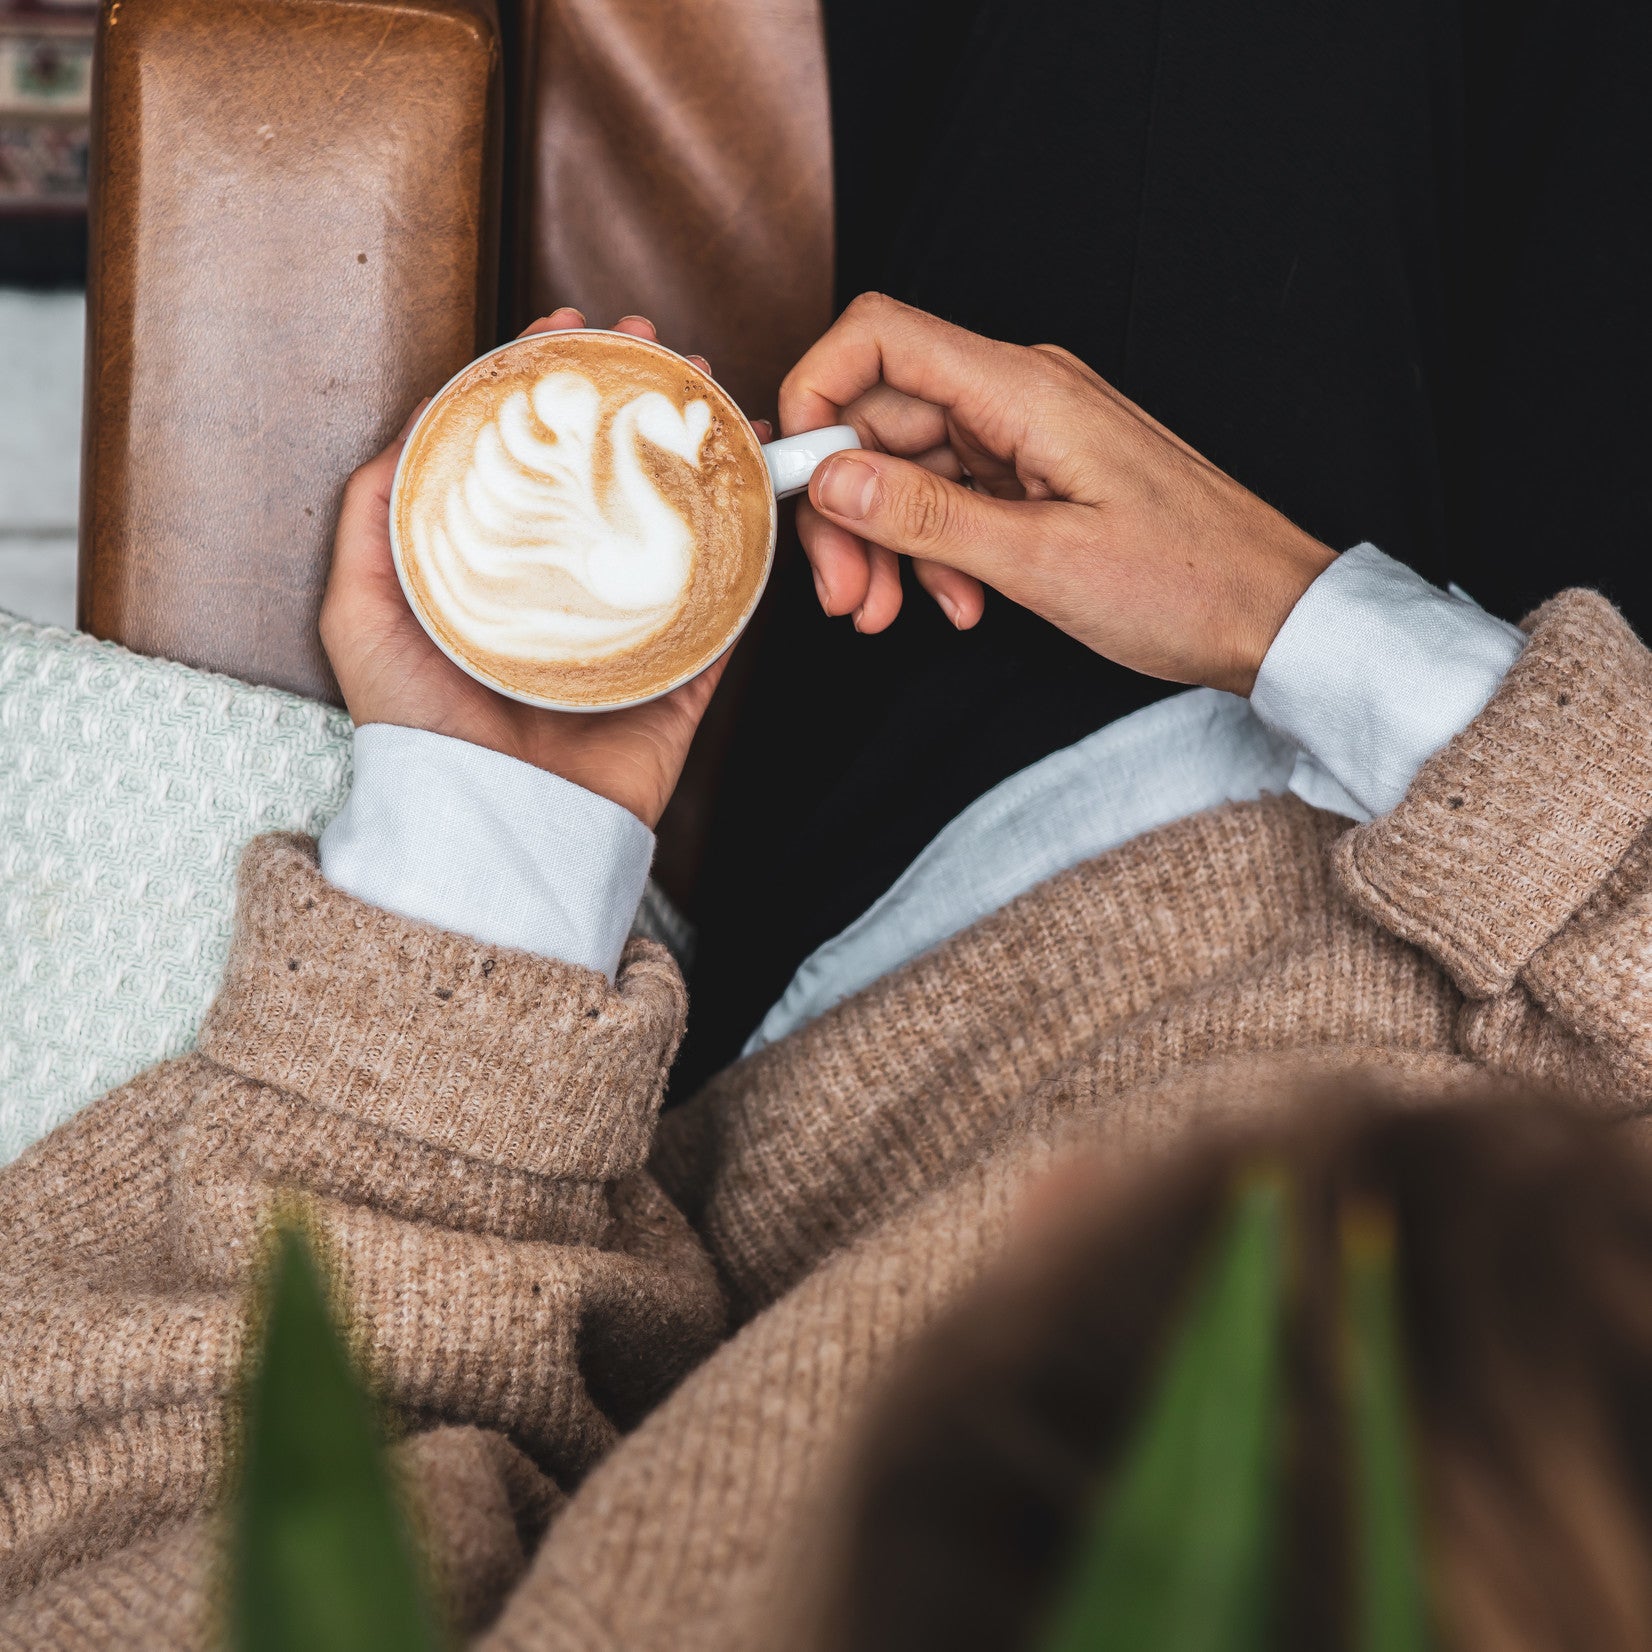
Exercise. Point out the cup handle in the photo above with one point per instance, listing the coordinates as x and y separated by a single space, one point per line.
794 459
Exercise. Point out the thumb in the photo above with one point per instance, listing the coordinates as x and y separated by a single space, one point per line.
903 506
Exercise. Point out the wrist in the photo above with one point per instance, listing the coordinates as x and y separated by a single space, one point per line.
469 839
1276 582
584 749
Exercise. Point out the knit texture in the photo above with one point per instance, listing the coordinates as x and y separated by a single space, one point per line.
660 1337
128 789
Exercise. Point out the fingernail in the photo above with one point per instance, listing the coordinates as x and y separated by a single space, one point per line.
820 592
858 612
846 487
951 610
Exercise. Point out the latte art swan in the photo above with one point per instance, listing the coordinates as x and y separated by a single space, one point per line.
582 520
530 556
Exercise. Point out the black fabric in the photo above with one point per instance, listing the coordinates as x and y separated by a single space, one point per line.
1385 261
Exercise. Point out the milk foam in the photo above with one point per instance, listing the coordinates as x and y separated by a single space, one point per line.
528 556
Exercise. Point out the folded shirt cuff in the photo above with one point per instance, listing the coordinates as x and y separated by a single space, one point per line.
472 841
1373 672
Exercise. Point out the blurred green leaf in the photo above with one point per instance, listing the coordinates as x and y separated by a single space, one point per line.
322 1558
1391 1612
1179 1556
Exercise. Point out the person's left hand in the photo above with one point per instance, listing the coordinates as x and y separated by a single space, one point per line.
391 672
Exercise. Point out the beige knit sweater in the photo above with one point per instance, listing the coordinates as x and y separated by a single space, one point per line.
629 1354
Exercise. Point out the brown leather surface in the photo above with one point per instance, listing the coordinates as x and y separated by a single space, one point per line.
292 240
679 166
293 217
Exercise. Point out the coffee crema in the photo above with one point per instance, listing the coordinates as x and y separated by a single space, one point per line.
583 518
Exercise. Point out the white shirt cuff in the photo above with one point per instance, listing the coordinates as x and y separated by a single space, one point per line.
452 834
1373 672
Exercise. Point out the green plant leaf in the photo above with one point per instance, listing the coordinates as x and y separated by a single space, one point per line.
321 1557
1390 1603
1180 1552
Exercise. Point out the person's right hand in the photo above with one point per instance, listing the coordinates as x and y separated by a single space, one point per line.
1077 504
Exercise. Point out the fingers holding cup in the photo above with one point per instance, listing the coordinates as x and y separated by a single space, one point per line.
560 320
858 575
882 602
837 558
904 506
958 595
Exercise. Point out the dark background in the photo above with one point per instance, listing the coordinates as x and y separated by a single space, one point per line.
1385 262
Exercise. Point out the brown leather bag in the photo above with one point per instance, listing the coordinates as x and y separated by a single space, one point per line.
296 233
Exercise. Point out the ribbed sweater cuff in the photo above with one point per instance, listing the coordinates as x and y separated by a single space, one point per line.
1516 823
497 1054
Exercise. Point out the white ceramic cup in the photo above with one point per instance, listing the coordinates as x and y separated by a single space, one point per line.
791 461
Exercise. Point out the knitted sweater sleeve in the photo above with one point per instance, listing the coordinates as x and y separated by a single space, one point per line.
464 1126
1521 859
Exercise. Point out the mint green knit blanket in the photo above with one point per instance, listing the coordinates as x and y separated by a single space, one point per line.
128 788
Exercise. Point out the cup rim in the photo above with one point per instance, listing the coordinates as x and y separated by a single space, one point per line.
736 630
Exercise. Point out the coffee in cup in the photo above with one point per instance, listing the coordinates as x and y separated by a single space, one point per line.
583 519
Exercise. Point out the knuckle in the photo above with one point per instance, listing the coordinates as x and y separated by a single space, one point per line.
1057 353
922 511
1064 371
795 382
1060 367
879 313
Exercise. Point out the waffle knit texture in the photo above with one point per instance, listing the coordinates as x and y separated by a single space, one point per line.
629 1354
128 789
